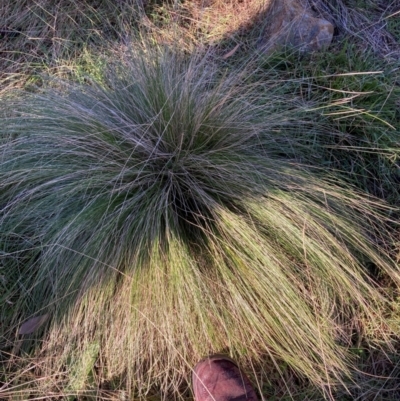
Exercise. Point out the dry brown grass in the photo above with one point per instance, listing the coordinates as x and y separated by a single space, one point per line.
217 20
38 35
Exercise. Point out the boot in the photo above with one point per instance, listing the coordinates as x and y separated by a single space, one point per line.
218 378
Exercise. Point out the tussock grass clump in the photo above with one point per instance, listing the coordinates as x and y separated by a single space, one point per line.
165 220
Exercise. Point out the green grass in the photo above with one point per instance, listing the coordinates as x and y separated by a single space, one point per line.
356 93
161 203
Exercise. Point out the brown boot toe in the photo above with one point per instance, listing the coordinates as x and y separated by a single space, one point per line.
218 378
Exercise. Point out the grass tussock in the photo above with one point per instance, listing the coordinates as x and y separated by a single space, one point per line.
160 214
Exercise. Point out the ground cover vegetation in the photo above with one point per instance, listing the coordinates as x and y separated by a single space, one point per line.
168 191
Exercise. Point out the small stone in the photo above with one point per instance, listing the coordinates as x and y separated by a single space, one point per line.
289 23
